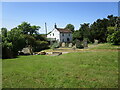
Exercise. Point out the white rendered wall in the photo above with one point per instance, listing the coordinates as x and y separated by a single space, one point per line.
56 34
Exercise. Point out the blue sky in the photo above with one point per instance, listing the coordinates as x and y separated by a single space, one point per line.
61 13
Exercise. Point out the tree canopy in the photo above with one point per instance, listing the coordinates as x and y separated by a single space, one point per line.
102 29
70 27
19 37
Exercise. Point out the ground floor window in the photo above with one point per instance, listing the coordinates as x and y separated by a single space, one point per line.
63 40
68 39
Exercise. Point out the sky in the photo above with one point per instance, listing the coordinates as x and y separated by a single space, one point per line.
61 13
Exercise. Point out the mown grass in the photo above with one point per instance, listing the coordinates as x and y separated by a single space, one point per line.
106 46
72 70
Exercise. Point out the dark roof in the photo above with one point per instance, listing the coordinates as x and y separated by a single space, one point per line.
64 30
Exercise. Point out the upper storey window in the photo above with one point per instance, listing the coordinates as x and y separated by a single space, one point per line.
69 34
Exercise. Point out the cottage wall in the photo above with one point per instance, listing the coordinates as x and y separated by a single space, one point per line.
65 37
54 34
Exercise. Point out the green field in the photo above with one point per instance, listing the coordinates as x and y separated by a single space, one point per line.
90 69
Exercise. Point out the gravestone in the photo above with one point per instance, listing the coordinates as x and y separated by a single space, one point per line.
63 44
85 44
95 42
70 45
74 47
27 50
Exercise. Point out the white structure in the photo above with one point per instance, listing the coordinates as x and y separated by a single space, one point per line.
60 35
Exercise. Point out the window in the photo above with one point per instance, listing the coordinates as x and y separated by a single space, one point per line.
62 34
68 39
53 34
50 34
63 40
69 34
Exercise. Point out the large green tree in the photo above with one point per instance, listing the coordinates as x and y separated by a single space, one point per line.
6 46
70 27
84 31
98 30
17 38
26 28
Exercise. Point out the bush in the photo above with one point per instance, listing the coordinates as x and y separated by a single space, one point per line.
114 37
40 45
7 50
55 45
79 44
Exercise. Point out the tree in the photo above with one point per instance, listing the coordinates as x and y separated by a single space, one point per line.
98 30
84 31
114 38
41 37
70 27
30 40
34 29
24 27
17 39
112 20
40 45
6 46
4 32
114 35
77 35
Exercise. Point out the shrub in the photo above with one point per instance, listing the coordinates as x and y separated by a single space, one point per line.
114 37
55 45
40 45
79 44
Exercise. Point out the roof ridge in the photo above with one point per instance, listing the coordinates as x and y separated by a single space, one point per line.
63 30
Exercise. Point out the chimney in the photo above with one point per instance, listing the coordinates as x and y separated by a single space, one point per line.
55 25
46 28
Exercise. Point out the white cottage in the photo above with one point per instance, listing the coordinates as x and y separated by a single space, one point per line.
60 35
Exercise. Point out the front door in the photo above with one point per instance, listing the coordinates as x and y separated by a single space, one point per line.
68 39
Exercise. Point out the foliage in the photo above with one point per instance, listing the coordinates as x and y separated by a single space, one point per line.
77 35
30 40
40 45
26 28
40 37
17 39
79 44
55 45
7 49
99 30
21 36
112 20
34 29
70 27
114 37
84 30
111 30
4 32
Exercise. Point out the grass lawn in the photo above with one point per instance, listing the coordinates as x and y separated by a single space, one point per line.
73 70
106 46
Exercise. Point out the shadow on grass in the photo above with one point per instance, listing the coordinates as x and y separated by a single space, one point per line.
14 57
